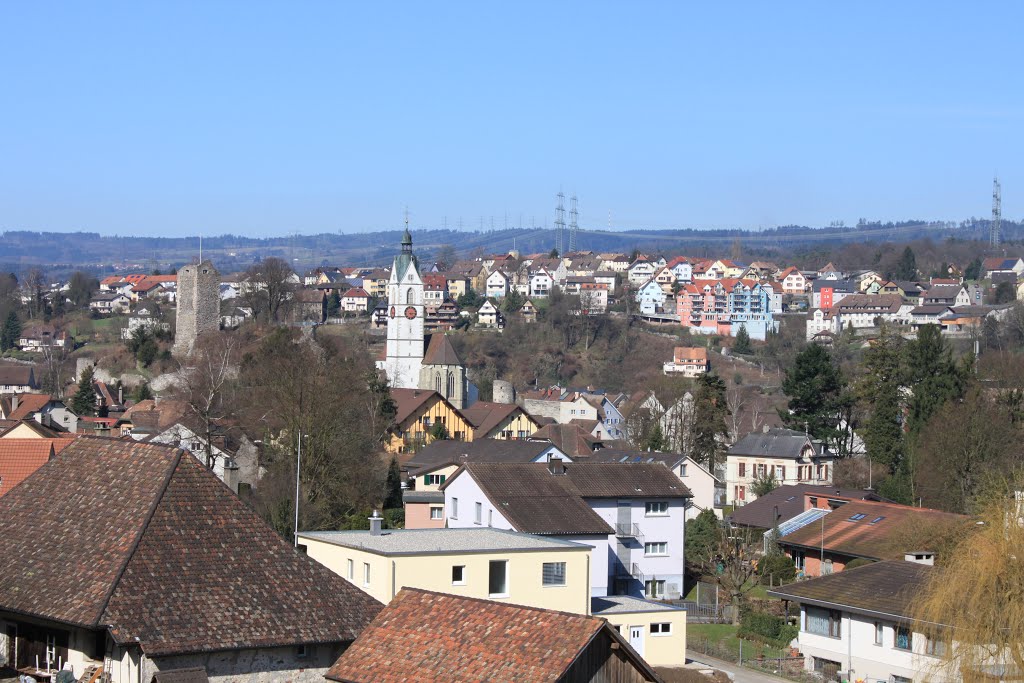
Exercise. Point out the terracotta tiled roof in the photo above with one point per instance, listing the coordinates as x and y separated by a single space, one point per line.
872 535
29 405
424 636
149 543
690 354
788 501
891 588
21 457
356 293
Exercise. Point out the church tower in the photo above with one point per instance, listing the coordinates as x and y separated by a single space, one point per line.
444 372
405 319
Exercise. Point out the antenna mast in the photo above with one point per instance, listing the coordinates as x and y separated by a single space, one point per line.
559 222
574 227
994 235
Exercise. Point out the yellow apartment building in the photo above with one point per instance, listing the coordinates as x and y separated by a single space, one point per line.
493 564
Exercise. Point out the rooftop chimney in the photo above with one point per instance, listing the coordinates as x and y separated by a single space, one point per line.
375 523
921 557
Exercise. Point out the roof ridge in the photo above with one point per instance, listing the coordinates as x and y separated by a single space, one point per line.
138 537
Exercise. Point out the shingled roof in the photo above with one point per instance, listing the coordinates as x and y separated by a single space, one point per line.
776 443
147 542
485 416
882 588
866 529
536 501
28 405
427 636
449 452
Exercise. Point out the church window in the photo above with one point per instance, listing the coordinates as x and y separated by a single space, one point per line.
410 297
451 386
437 382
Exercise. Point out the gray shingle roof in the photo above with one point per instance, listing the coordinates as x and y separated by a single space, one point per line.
536 501
888 588
485 450
622 604
775 443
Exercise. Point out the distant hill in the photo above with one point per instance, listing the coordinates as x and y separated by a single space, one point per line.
20 249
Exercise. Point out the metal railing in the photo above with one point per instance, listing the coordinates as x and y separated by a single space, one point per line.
628 530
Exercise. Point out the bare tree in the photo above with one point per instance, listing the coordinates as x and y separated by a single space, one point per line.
55 363
728 561
206 385
34 290
736 398
269 286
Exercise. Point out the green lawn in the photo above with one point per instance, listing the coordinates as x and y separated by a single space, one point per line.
722 637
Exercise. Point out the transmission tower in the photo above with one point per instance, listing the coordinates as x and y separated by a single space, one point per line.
994 235
559 222
574 227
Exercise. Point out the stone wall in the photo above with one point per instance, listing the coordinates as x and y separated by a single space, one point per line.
198 305
254 666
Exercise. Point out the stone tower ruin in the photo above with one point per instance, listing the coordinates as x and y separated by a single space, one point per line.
198 305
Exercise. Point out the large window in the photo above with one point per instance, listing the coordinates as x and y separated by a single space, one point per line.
936 647
902 638
436 512
823 622
656 548
656 508
553 574
434 479
497 579
654 588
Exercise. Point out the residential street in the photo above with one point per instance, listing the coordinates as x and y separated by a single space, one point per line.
739 674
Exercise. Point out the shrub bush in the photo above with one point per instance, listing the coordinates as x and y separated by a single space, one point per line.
766 628
776 570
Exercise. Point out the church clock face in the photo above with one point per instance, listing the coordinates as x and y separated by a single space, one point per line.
392 312
410 313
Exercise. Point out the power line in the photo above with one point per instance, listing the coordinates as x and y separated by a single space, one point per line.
994 234
574 224
559 222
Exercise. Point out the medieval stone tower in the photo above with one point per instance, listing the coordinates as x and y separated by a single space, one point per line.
198 305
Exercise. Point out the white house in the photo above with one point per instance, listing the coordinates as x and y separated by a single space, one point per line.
498 284
489 315
641 271
791 457
822 320
355 300
541 283
706 489
631 515
859 623
793 281
682 269
651 297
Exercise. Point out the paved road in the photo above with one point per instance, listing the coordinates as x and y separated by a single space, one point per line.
739 674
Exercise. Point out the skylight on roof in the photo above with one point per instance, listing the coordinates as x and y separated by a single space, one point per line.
857 517
791 499
876 520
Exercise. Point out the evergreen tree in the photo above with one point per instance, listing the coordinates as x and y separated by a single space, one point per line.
142 393
973 271
880 391
932 374
700 535
83 403
742 344
709 411
11 332
906 267
333 304
815 387
655 439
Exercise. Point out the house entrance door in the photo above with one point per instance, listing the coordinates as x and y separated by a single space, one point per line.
636 639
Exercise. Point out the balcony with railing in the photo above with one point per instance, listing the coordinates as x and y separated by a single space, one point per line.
628 530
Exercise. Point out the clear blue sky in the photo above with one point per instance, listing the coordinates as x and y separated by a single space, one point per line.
266 118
